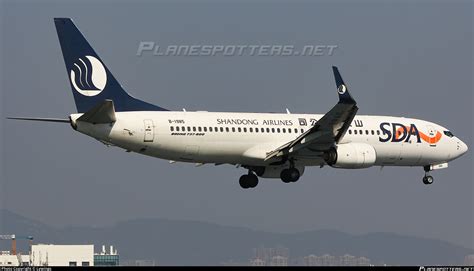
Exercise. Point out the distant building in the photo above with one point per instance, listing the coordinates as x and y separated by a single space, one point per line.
363 261
279 261
62 255
469 260
271 255
312 260
347 260
7 259
104 258
257 262
143 263
328 260
233 263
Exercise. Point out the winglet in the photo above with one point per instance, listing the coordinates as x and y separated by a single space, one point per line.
342 90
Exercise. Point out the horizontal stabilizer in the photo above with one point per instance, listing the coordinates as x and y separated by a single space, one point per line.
101 113
42 119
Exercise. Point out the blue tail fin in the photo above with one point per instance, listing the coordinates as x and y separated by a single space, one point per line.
91 81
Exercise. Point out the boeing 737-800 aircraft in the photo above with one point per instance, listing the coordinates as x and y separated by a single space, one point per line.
267 145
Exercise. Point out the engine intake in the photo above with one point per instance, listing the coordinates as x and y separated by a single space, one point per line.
351 155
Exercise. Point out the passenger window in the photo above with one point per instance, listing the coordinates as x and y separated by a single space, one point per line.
373 133
194 128
238 129
366 132
268 130
278 130
296 131
245 130
183 129
273 130
199 128
233 129
210 129
216 129
302 131
205 129
283 130
251 129
355 132
350 132
361 132
172 128
189 129
378 132
289 130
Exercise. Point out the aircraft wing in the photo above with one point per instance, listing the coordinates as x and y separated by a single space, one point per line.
326 131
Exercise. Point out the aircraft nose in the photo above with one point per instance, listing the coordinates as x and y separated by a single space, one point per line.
462 147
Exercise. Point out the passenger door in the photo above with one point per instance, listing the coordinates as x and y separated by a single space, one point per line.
432 135
149 131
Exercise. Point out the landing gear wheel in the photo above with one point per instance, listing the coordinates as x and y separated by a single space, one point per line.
294 175
428 179
285 176
290 175
243 182
248 181
253 180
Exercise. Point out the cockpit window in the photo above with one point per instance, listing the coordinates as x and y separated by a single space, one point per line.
448 133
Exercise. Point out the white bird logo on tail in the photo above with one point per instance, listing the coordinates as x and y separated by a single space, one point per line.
88 76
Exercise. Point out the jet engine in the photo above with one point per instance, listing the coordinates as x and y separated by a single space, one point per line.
351 155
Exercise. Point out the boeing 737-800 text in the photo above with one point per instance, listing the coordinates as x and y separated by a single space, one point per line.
267 145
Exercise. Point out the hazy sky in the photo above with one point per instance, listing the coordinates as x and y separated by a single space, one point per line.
410 59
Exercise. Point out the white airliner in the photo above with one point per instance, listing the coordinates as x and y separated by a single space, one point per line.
267 145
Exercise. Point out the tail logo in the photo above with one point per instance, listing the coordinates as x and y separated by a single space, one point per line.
341 89
88 76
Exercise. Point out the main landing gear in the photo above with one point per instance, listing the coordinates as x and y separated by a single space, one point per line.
427 179
290 175
249 180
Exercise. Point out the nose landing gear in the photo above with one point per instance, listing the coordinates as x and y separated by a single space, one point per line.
427 179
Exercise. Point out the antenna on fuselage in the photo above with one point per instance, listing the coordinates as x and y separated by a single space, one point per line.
288 111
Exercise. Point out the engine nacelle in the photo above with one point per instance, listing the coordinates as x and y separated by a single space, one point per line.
351 155
274 171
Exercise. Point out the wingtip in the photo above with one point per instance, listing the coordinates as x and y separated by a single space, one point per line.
342 90
64 20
